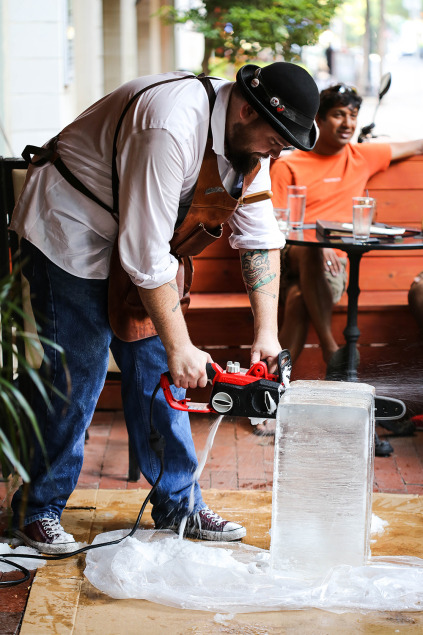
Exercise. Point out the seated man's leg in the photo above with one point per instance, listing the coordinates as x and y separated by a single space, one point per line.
72 313
295 320
141 364
293 333
307 264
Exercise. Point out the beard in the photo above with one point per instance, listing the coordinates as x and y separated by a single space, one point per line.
237 152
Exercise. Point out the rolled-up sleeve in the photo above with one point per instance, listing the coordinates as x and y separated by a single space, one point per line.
149 194
254 226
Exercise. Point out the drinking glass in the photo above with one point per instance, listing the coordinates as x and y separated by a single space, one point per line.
296 205
363 211
282 216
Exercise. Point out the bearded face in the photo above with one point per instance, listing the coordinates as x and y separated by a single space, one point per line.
238 150
247 143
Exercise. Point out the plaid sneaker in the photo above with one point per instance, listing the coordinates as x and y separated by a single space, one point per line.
48 536
207 525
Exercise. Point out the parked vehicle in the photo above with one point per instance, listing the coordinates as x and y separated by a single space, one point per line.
366 133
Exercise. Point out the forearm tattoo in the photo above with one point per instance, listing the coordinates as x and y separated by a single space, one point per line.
174 286
256 271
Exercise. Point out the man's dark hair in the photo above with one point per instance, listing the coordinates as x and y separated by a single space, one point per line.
339 95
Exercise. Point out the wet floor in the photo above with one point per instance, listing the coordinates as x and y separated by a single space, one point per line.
239 460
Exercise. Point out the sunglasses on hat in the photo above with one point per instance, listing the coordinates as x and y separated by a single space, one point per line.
343 88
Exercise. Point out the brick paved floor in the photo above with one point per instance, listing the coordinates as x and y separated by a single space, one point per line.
238 460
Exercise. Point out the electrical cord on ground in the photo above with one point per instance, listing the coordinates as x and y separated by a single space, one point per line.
157 444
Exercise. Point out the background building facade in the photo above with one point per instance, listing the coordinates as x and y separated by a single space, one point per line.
59 56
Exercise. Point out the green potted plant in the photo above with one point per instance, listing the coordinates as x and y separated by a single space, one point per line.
20 343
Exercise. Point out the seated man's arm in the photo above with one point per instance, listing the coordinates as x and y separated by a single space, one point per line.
404 149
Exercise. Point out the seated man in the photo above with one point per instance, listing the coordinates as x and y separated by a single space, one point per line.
334 171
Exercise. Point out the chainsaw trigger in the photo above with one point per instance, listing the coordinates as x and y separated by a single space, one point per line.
211 372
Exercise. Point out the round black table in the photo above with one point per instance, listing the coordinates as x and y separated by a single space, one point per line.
309 237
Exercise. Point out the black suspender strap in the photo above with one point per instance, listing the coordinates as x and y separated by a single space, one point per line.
210 94
115 178
49 153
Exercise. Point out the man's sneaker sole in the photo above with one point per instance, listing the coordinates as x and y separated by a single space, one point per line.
220 536
45 547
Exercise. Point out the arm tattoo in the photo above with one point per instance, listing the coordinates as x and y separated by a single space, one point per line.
175 288
256 271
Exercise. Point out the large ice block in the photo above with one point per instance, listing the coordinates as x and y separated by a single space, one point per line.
323 477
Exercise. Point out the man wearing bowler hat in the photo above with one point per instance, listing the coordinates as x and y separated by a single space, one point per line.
111 198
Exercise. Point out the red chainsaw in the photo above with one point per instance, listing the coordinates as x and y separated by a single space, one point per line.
253 393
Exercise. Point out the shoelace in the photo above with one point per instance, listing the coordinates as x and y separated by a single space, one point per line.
210 515
53 528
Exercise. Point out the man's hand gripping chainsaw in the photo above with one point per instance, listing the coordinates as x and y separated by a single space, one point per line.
254 393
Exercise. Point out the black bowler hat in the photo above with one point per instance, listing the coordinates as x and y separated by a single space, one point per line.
286 96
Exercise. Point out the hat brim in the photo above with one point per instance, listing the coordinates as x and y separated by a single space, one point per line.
300 137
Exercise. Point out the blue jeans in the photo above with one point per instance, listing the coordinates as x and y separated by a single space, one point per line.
72 313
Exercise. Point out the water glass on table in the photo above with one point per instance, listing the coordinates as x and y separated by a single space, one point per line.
296 205
363 211
282 216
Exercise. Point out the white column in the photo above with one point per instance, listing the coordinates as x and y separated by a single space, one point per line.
156 52
120 42
33 70
89 76
128 41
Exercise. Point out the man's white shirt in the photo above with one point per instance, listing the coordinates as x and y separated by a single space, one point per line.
160 150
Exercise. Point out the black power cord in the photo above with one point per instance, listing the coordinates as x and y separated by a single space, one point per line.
157 444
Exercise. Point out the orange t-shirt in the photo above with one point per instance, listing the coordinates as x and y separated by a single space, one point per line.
331 181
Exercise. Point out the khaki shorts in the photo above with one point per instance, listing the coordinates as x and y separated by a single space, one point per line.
337 284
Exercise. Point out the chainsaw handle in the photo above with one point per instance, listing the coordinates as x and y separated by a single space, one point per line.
166 382
284 367
182 404
210 370
169 378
